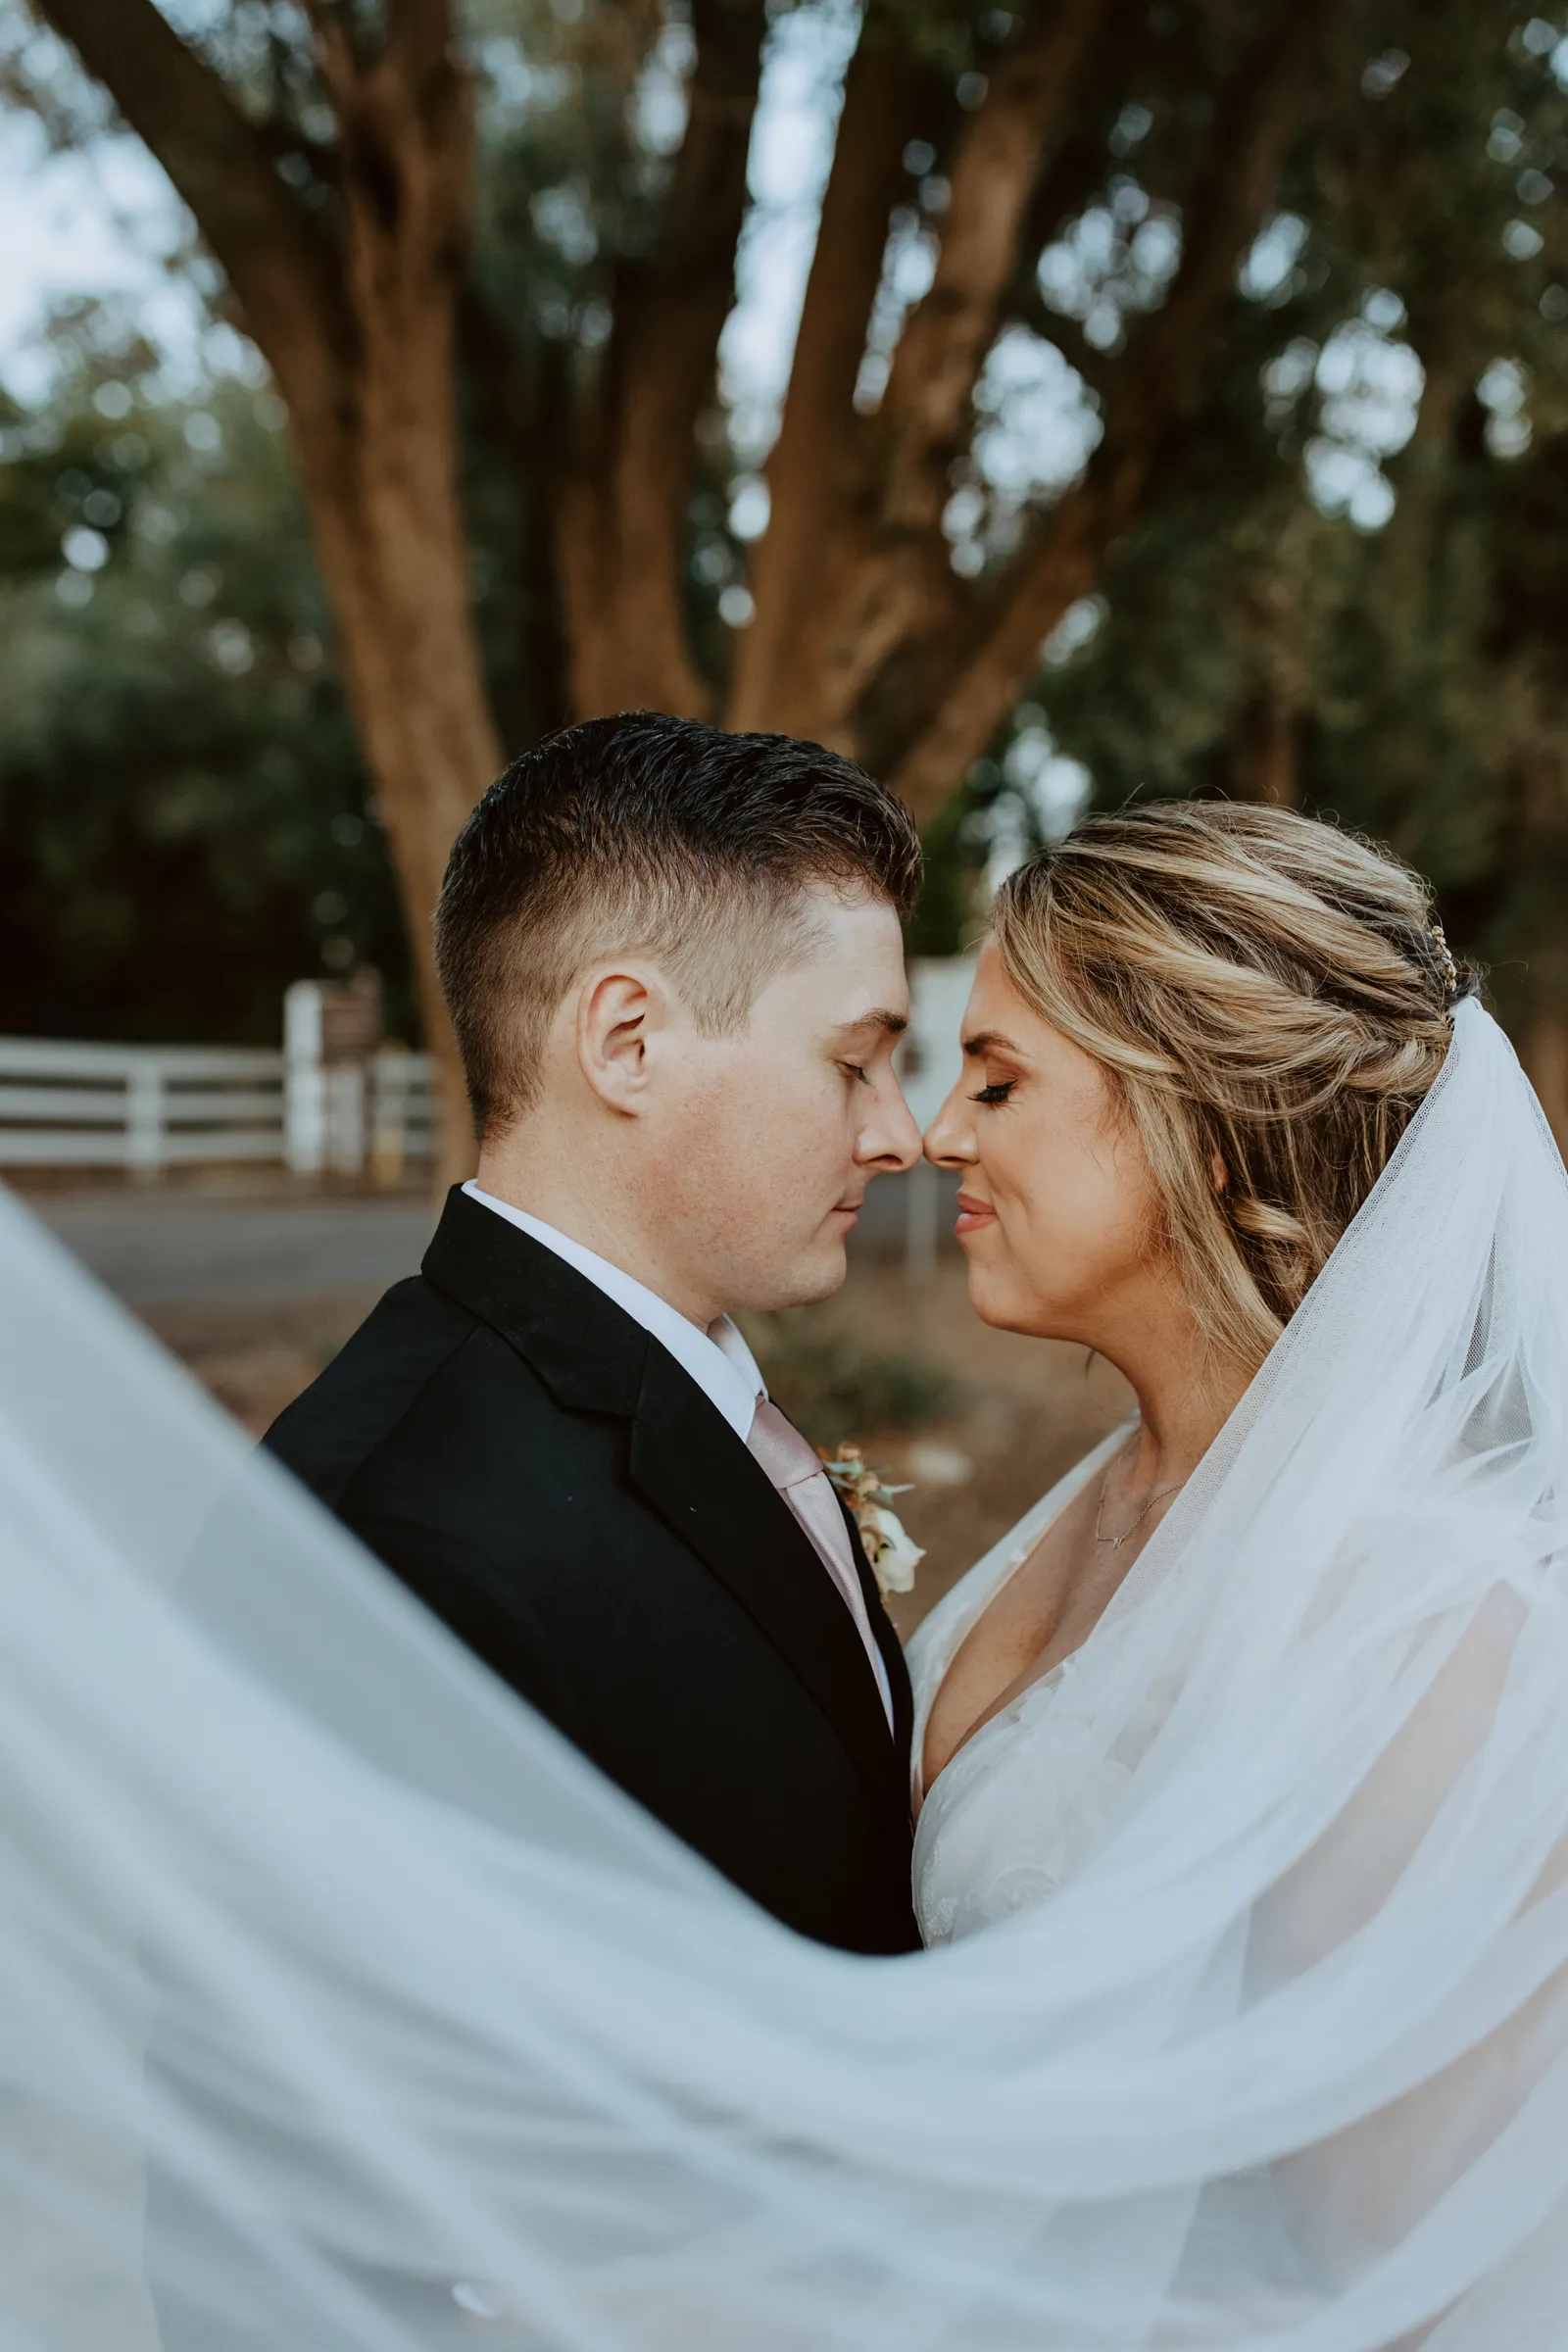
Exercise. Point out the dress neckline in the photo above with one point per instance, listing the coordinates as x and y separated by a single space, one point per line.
935 1671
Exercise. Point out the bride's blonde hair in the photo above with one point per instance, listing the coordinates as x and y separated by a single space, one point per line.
1271 1001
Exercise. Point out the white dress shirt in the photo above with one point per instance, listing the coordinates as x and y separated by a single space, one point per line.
717 1358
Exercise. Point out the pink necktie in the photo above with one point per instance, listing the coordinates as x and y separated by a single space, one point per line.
794 1468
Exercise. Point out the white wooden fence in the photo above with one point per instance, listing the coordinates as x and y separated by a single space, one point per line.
147 1108
929 1064
327 1105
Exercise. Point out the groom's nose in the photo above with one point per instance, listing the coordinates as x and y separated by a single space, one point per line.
890 1141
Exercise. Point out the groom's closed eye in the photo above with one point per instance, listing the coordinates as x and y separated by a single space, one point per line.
865 1040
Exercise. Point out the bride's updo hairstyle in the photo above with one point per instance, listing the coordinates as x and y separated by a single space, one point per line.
1271 1001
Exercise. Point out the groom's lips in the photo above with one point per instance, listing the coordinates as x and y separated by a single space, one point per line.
973 1214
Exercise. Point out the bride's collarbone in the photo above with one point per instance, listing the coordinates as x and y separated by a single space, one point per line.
1046 1609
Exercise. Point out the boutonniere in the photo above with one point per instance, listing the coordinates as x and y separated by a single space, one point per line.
893 1556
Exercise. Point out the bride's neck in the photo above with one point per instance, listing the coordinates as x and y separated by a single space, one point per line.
1185 1394
1175 1432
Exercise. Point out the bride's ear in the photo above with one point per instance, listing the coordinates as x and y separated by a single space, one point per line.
1218 1175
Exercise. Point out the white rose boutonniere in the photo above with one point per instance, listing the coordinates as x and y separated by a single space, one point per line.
893 1556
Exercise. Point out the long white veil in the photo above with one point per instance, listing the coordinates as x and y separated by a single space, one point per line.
344 2009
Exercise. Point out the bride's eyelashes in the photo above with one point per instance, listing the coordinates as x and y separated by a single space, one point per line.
996 1093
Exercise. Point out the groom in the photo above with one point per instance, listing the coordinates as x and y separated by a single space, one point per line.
673 963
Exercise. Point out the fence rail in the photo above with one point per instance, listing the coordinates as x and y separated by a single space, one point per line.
146 1109
327 1103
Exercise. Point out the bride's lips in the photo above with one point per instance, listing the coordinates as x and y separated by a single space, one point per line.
973 1214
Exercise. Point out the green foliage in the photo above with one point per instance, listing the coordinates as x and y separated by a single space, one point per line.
179 788
1405 673
183 819
831 1390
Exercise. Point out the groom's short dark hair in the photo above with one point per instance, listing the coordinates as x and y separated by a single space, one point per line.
656 834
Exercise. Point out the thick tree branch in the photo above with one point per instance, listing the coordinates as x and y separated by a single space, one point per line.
995 168
337 59
627 516
982 668
278 260
820 469
406 138
420 33
524 418
895 585
1073 176
1073 171
356 320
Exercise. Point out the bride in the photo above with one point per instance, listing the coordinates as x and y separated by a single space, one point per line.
1248 1751
1196 1034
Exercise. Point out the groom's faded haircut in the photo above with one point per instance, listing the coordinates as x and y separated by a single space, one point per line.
656 835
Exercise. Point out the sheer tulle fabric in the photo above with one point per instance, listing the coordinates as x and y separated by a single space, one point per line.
343 2007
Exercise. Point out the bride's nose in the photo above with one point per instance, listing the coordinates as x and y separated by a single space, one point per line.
950 1137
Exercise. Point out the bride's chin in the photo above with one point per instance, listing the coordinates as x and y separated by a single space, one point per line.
995 1301
1008 1306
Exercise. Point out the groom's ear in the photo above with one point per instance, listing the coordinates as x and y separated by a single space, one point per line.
621 1009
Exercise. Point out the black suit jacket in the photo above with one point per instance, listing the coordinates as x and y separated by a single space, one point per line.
552 1485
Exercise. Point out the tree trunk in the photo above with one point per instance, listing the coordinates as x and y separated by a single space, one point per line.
623 506
820 475
1265 750
1545 1057
380 471
353 304
1268 727
862 634
384 537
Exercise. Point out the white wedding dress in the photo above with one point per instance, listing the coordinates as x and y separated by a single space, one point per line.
992 1833
1264 2045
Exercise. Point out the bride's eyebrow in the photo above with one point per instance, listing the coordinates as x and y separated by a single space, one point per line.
990 1041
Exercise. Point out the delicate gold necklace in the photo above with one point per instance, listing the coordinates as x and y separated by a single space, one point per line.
1116 1541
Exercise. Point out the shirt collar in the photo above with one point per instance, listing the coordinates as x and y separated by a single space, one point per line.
718 1359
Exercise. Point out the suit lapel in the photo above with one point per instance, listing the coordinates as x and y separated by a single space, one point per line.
699 1478
685 1460
586 1349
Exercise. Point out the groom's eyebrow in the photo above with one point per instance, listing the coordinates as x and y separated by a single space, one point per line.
892 1024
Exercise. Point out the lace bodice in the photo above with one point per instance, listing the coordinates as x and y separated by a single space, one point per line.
994 1835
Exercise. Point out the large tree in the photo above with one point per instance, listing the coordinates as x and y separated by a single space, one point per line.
898 599
352 301
1399 665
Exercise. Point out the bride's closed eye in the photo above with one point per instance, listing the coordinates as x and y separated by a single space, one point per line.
997 1092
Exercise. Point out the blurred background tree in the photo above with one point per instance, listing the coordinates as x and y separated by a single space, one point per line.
1352 594
1176 404
184 824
